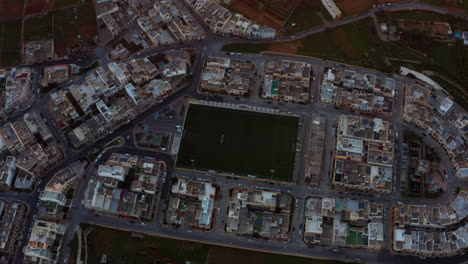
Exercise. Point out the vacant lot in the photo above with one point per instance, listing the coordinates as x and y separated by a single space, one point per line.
269 13
66 3
354 7
10 46
66 28
418 15
123 248
357 44
239 142
38 27
309 14
11 9
35 6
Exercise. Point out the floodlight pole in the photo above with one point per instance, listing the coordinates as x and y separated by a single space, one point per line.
193 164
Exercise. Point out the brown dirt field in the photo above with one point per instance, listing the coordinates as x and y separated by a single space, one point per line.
50 6
264 20
60 49
154 252
270 19
354 7
339 36
286 6
88 31
285 47
10 9
455 9
34 6
246 8
70 35
441 29
389 1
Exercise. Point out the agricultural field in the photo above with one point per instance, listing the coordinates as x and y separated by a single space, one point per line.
68 28
37 28
127 249
418 15
36 6
354 7
308 14
272 13
460 6
240 142
11 9
66 3
352 43
357 43
10 46
151 249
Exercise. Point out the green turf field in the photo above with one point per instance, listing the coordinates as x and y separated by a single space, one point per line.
239 142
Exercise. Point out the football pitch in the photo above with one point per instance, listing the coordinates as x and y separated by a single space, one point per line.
240 142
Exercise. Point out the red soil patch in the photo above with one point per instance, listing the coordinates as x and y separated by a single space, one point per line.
441 29
286 6
247 8
10 9
264 14
88 31
289 47
354 7
270 19
50 6
60 49
455 9
70 34
389 1
35 6
340 37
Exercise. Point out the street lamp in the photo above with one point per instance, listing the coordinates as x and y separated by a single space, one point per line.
193 164
272 172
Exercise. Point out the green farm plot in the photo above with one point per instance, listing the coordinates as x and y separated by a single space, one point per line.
307 15
121 247
10 47
462 5
240 142
38 28
418 15
66 3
